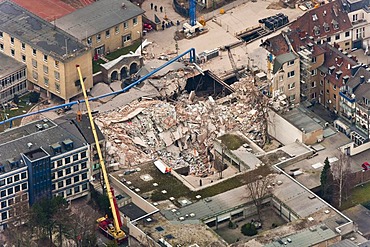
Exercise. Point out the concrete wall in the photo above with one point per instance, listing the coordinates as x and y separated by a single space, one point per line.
355 150
312 137
282 130
141 236
283 210
328 242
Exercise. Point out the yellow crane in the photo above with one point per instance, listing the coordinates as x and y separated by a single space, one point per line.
111 229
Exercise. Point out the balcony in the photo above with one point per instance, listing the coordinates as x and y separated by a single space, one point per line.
349 97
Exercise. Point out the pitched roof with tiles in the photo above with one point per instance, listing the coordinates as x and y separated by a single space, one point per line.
327 20
339 64
277 45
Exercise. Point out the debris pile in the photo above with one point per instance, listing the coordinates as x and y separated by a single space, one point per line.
181 133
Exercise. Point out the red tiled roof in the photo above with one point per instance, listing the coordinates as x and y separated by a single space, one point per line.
329 15
277 45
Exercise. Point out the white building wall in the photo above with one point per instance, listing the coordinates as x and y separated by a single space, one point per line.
282 130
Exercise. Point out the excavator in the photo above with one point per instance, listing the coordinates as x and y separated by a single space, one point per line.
110 227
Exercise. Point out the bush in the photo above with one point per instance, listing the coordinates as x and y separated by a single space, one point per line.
274 225
34 97
249 229
16 99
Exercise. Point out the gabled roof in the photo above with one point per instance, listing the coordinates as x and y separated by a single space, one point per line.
277 45
338 64
330 14
98 17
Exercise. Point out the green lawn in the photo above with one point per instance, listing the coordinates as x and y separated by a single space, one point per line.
113 55
23 107
231 141
359 195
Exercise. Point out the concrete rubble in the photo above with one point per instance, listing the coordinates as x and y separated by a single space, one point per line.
180 133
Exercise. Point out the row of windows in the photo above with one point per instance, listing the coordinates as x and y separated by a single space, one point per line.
14 178
16 89
116 30
23 45
12 190
69 181
7 203
68 160
19 75
74 190
69 170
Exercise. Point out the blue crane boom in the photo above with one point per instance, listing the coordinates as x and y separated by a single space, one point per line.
192 59
192 12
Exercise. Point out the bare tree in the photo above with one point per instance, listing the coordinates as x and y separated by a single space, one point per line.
258 182
342 182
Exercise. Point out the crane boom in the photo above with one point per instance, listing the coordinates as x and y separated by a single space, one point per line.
232 61
117 233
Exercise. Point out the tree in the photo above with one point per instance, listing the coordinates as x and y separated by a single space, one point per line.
249 229
342 182
16 99
83 227
34 97
258 181
326 180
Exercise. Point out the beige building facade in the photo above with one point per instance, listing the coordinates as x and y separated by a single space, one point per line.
50 54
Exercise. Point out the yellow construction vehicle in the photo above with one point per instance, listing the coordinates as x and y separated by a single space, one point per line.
111 228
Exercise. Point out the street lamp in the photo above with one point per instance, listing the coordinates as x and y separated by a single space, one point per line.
141 42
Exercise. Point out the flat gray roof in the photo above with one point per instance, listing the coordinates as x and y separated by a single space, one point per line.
8 65
360 215
307 237
301 121
98 17
38 33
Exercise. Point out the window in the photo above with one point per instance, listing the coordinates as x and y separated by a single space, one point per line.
3 204
84 176
12 51
59 163
3 193
56 75
9 180
67 160
346 44
46 69
23 58
334 96
10 201
68 181
1 35
334 87
89 41
16 178
125 25
35 76
84 187
46 81
34 52
354 17
4 215
290 63
313 95
107 34
75 157
34 63
2 182
77 189
76 179
23 46
45 58
98 37
313 84
1 47
321 92
290 74
134 21
57 87
75 168
83 165
291 86
10 191
116 29
53 187
126 38
68 170
327 91
69 192
56 64
12 40
313 60
346 34
337 36
314 72
83 155
23 175
281 77
292 98
17 188
60 174
24 186
60 184
328 39
53 175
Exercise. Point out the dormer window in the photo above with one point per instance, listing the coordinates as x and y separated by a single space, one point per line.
326 27
335 24
331 70
338 74
57 148
314 17
316 30
345 79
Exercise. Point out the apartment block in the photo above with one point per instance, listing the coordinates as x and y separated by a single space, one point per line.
13 78
50 54
105 25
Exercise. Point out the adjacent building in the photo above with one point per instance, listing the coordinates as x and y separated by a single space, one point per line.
44 159
13 78
105 25
50 54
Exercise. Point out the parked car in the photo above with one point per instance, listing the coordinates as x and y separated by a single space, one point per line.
366 166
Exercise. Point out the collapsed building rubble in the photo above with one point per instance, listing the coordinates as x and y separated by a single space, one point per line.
181 133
